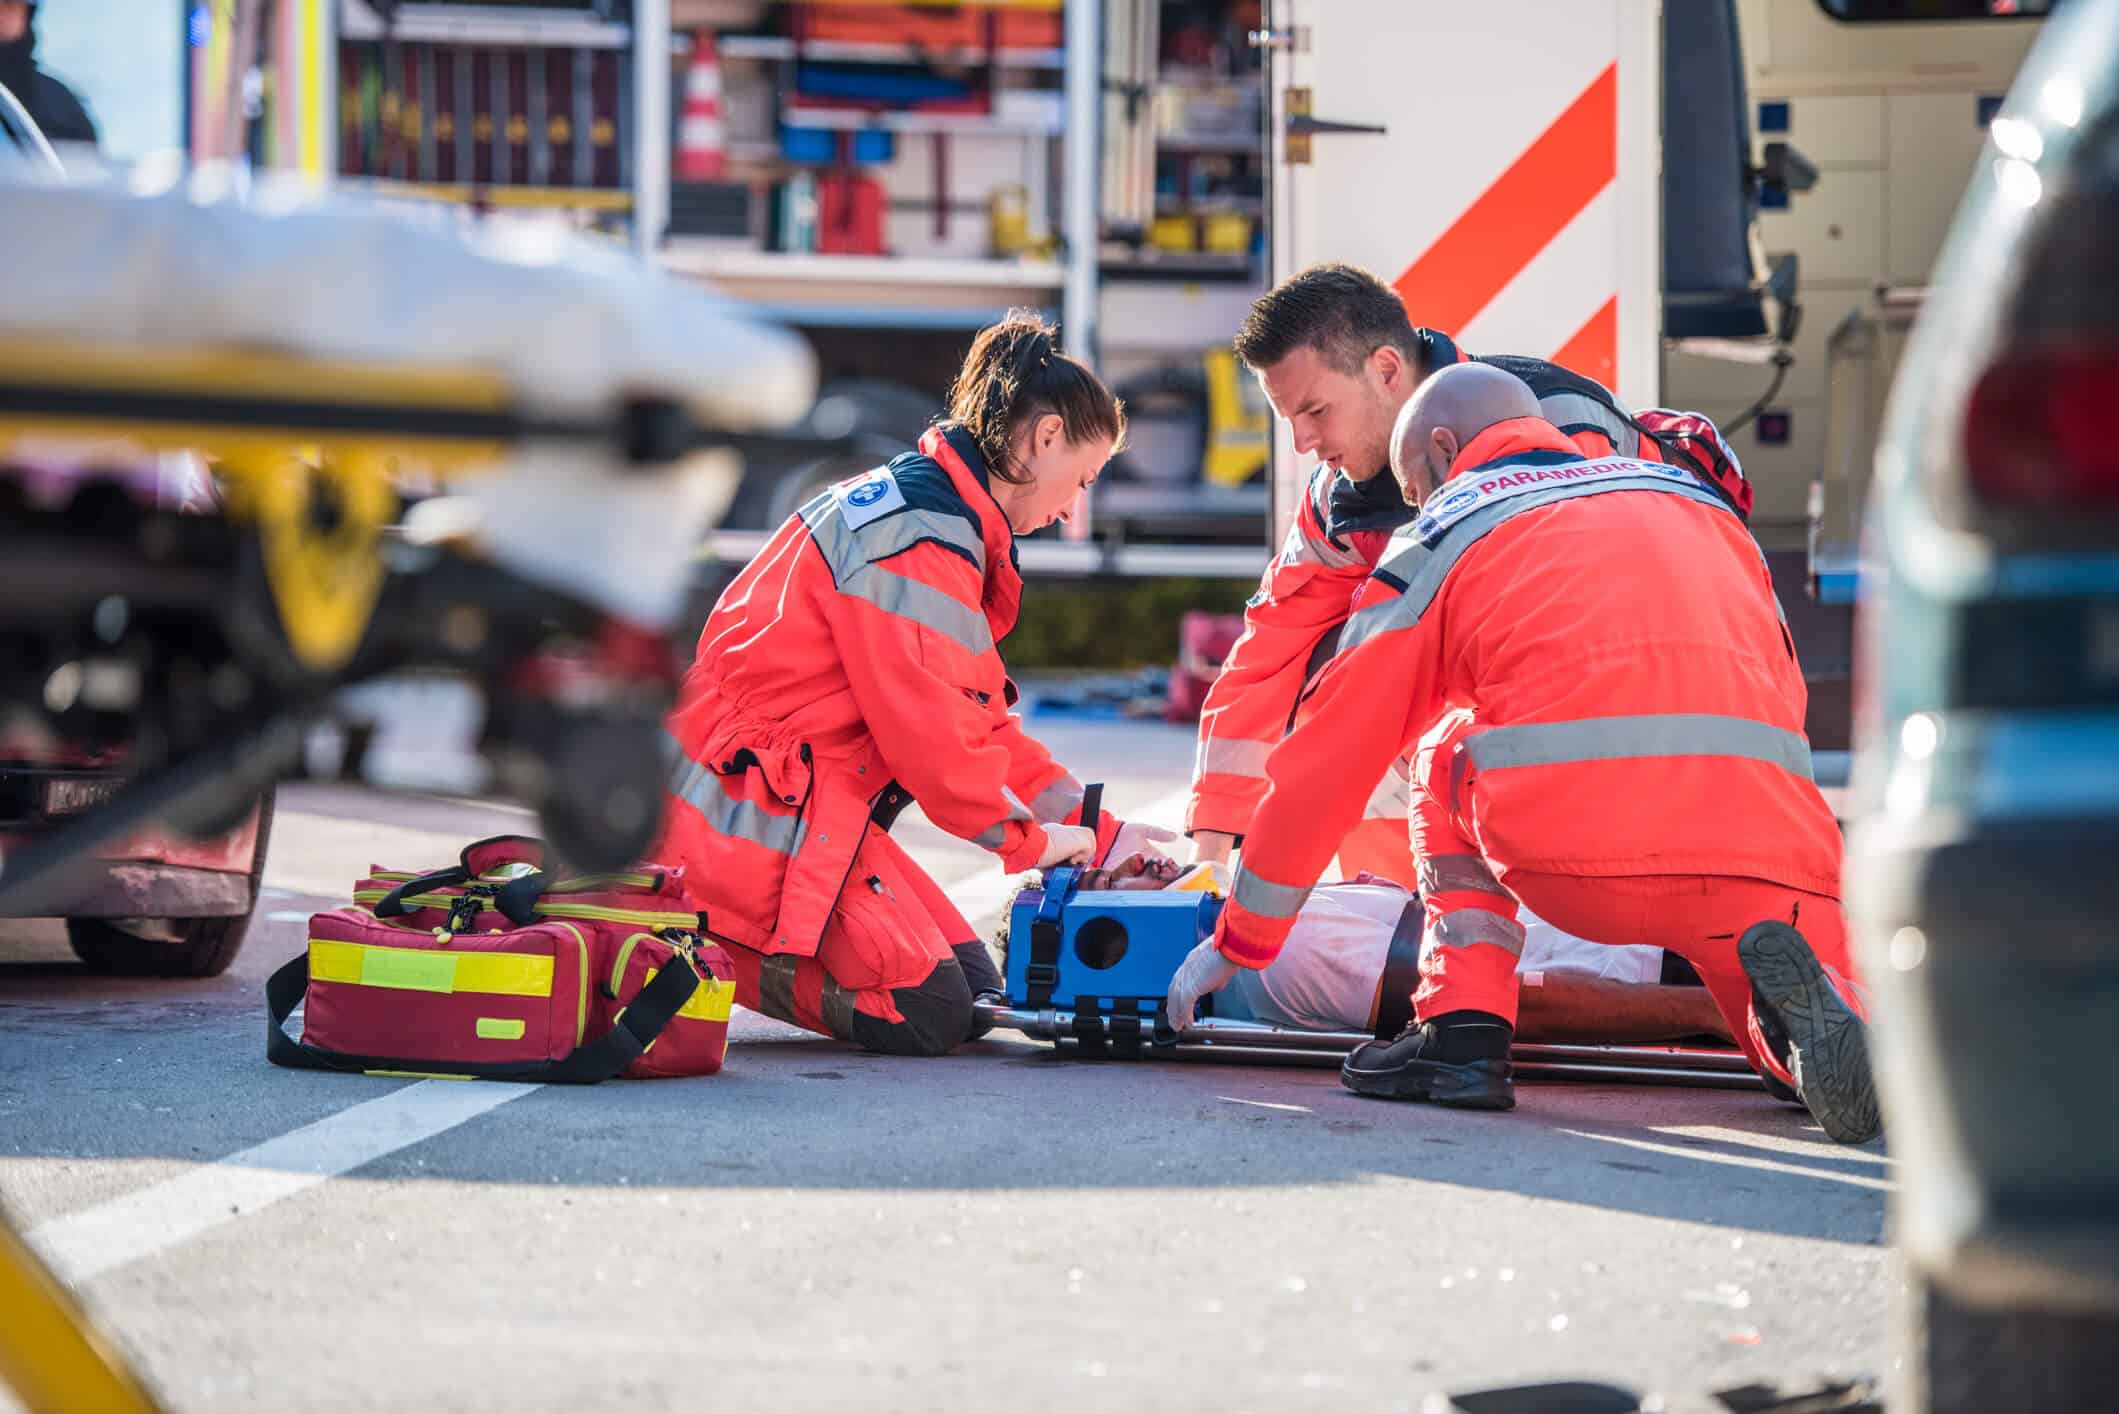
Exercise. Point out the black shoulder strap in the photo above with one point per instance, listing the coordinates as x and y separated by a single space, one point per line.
651 1009
1401 973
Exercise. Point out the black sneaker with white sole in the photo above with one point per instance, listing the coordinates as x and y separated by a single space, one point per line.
1827 1044
1459 1059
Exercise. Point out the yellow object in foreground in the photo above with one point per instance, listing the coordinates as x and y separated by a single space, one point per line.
51 1357
1208 877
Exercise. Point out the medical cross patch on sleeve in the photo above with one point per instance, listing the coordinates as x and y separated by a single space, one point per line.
874 495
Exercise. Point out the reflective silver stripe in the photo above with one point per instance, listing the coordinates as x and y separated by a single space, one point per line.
1301 548
1266 898
838 1009
1018 813
1454 873
1057 801
1422 568
1230 756
924 604
700 788
1617 738
776 987
1574 409
847 549
1320 492
1469 927
854 557
1392 799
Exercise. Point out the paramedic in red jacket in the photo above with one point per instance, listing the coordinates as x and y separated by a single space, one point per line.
1338 358
850 669
1585 661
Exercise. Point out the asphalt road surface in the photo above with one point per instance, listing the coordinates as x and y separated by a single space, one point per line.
817 1228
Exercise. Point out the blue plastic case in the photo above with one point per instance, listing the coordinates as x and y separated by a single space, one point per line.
1107 953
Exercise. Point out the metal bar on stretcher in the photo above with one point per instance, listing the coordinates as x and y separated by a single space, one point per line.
214 400
1257 1043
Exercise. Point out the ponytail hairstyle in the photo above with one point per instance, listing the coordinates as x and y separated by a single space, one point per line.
1016 374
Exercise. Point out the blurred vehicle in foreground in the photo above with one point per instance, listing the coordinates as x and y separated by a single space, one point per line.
1986 784
581 418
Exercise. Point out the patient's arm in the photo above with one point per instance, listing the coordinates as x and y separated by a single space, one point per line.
1575 1007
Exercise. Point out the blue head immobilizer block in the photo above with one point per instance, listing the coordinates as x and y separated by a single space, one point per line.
1101 953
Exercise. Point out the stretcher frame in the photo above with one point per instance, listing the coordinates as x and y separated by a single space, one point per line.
1258 1043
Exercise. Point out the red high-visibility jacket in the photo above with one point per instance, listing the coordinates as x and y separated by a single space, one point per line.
849 669
1611 626
1339 530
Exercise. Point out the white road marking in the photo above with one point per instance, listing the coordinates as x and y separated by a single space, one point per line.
110 1235
1707 1156
1266 1104
294 915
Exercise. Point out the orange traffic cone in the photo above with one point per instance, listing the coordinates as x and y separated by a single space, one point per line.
702 138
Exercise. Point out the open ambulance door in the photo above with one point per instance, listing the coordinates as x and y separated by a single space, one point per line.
1494 160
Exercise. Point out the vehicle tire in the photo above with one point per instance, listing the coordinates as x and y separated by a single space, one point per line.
602 802
205 947
798 486
1959 1359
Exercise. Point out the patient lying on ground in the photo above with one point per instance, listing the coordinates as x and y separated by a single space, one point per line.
1330 976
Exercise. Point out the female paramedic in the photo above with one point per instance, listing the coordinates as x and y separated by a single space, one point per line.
851 669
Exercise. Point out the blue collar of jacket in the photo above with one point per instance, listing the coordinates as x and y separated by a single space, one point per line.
1374 504
950 446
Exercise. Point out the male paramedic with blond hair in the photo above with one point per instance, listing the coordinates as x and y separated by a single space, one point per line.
1586 663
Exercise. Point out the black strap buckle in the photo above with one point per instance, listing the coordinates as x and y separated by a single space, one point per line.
463 913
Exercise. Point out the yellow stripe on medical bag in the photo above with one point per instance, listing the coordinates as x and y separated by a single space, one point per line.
709 1003
503 974
500 1028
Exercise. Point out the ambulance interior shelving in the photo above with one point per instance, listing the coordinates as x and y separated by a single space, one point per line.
940 157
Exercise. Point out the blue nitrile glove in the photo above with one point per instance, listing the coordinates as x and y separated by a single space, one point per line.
1205 970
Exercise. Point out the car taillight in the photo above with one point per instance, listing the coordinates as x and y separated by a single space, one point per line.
2040 430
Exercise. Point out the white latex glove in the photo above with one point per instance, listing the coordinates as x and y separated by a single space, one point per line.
1139 837
1205 970
1067 844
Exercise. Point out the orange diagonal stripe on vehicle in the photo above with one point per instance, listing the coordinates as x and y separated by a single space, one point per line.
1593 352
1529 204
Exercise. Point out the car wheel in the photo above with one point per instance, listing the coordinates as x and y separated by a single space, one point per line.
203 947
1959 1358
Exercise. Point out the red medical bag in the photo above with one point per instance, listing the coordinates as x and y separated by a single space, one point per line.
492 969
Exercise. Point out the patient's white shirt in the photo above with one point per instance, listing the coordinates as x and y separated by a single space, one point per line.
1325 977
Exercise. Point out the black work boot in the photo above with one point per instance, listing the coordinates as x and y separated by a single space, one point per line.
1459 1058
1812 1031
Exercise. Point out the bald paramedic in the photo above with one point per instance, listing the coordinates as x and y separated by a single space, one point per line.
1585 663
1337 356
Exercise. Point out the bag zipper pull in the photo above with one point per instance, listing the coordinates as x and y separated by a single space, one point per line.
463 914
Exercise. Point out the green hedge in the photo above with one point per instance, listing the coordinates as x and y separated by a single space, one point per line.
1111 624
